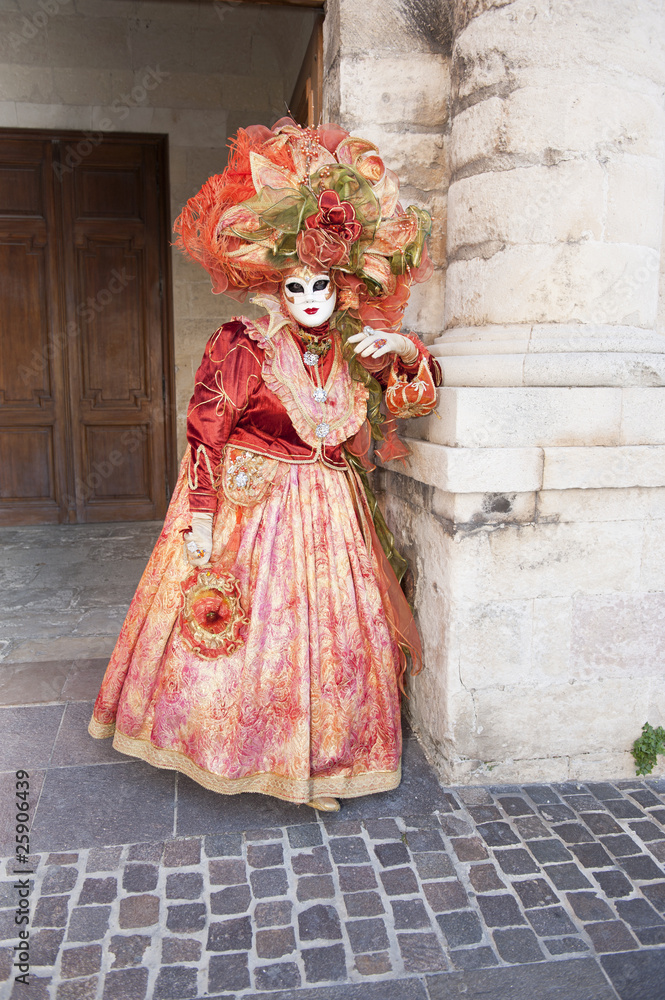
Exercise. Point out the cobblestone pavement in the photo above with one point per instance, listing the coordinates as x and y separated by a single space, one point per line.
145 886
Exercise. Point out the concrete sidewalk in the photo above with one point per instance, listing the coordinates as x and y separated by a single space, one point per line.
146 885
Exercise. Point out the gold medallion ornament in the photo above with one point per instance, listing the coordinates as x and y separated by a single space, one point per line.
212 620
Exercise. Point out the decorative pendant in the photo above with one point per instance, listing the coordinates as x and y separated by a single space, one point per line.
322 430
320 394
241 479
310 359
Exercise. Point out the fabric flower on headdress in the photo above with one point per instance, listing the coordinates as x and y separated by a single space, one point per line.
316 196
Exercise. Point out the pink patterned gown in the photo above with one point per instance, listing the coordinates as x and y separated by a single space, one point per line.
308 703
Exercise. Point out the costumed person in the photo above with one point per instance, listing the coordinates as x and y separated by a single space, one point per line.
265 648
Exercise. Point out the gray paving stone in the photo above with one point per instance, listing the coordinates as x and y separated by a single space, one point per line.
140 878
150 852
228 972
180 853
556 813
573 833
531 828
176 950
484 878
77 989
621 846
225 844
421 952
484 814
560 980
613 883
541 794
409 914
175 982
230 935
45 945
469 848
233 899
353 878
363 904
611 935
473 958
277 976
88 923
550 921
187 917
518 945
367 935
56 880
314 862
315 887
587 906
444 896
637 976
98 890
391 855
348 850
567 876
516 861
383 829
638 913
461 928
266 833
103 859
275 942
592 856
566 945
128 949
324 965
82 961
307 835
433 865
535 892
184 885
545 851
319 922
515 805
227 872
641 869
401 882
500 911
267 882
265 855
497 834
127 984
656 894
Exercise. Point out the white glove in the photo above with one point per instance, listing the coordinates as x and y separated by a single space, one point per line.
198 541
375 343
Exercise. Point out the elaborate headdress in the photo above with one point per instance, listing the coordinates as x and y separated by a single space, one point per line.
315 196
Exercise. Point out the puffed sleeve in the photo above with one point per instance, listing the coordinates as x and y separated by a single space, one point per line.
221 391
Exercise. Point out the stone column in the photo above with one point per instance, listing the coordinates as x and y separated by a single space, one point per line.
533 507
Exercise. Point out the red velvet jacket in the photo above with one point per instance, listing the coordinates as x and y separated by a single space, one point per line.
232 405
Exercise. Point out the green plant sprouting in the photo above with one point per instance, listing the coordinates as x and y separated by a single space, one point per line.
647 747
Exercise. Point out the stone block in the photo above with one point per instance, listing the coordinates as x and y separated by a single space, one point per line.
642 416
57 116
474 470
618 635
550 283
522 417
389 90
652 577
602 468
476 133
631 122
634 189
534 204
618 504
494 643
545 560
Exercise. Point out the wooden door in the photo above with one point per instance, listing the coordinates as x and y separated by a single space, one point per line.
86 429
307 99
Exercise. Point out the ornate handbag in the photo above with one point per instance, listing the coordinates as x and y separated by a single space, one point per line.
411 399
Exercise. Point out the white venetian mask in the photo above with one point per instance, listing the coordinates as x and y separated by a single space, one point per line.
310 298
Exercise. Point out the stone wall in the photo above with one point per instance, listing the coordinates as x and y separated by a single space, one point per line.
193 70
533 506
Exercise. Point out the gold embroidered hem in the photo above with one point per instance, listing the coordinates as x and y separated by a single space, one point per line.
295 790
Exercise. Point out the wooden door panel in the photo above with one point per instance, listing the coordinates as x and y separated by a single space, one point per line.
113 343
33 446
28 473
85 354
